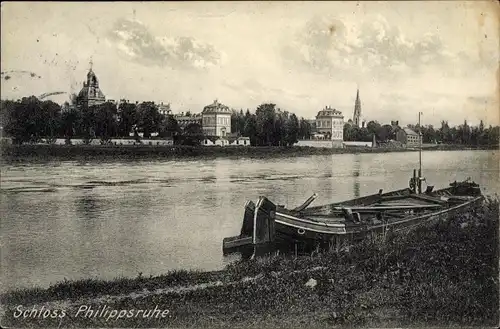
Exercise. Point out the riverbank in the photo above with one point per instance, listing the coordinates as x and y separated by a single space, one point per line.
442 275
75 152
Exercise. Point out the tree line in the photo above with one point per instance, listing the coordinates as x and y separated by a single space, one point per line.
31 119
463 134
270 126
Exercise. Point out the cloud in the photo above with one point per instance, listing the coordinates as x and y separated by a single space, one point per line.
7 75
137 43
375 47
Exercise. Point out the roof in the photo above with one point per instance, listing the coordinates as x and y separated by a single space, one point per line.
231 139
91 87
215 138
91 92
216 107
409 131
329 112
184 120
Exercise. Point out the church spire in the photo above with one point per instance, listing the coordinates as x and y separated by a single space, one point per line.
357 110
90 63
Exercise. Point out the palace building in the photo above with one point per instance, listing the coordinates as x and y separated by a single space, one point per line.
216 120
90 94
330 123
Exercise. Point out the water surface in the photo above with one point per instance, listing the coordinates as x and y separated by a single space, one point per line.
108 219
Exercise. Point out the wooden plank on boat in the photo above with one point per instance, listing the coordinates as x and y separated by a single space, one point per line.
236 241
263 223
386 208
306 203
247 226
394 197
398 205
428 198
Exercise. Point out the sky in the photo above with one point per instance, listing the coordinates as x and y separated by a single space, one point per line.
439 58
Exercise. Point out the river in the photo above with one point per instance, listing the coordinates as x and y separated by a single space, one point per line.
73 220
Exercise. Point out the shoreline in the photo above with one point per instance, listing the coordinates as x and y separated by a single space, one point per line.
442 274
21 153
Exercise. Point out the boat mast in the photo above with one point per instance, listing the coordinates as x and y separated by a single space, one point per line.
419 183
419 145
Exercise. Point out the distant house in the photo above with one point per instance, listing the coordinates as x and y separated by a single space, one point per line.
215 141
225 141
408 137
164 109
216 119
241 141
330 123
357 144
208 141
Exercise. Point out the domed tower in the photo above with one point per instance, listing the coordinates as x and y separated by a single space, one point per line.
90 94
216 120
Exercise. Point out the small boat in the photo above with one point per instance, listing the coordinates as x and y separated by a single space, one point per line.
268 227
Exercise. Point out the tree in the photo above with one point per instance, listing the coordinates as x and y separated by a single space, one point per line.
70 121
304 129
493 135
349 132
373 128
385 133
265 116
250 129
50 119
464 132
89 120
169 127
106 121
23 119
292 130
429 135
148 118
192 135
278 135
127 118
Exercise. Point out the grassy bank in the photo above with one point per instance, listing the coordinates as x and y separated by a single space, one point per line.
76 152
441 275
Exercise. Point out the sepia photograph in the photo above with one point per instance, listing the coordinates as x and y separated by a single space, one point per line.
250 164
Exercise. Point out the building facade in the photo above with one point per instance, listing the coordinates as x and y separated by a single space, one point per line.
90 94
164 109
183 121
330 123
216 120
408 137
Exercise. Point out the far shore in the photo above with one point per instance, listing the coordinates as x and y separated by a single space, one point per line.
30 152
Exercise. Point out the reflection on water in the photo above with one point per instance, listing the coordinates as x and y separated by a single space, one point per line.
87 207
355 175
88 219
